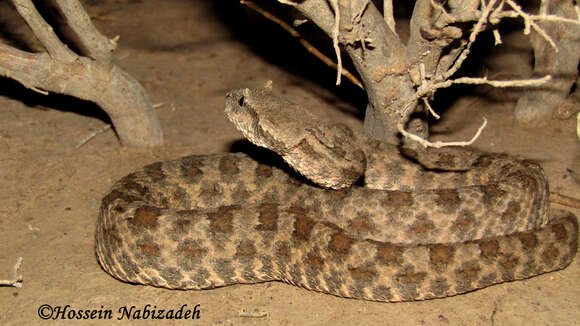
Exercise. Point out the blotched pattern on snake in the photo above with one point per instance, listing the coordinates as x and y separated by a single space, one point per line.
426 224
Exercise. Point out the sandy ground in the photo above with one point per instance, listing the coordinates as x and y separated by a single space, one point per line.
188 54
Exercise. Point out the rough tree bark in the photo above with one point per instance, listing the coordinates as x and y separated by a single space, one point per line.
536 106
401 78
94 77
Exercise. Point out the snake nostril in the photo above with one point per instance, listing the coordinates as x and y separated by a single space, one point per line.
242 101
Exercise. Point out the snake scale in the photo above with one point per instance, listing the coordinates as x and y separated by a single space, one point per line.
368 220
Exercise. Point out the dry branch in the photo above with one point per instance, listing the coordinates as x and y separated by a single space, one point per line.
399 79
93 78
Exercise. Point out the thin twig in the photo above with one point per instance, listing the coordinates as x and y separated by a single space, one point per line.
578 125
335 33
494 83
107 127
309 47
16 281
530 22
476 30
92 135
564 200
439 144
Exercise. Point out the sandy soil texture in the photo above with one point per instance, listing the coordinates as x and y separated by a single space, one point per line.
188 54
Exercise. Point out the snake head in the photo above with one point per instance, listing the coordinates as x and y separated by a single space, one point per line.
327 155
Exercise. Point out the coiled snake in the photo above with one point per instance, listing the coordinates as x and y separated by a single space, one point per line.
456 222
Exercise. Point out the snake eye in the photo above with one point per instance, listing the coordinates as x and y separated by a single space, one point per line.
242 101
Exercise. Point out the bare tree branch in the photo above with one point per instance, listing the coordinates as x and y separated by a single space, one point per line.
94 79
43 31
99 46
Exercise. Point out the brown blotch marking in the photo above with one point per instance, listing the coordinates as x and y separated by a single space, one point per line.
192 251
388 254
340 243
408 276
559 231
221 221
314 262
464 222
439 286
155 172
489 248
361 225
298 211
491 193
466 275
148 249
398 199
408 281
363 274
528 240
245 249
509 263
190 168
550 254
268 217
229 166
483 161
303 227
183 224
283 250
263 171
422 226
448 198
240 193
146 217
468 271
441 255
511 212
